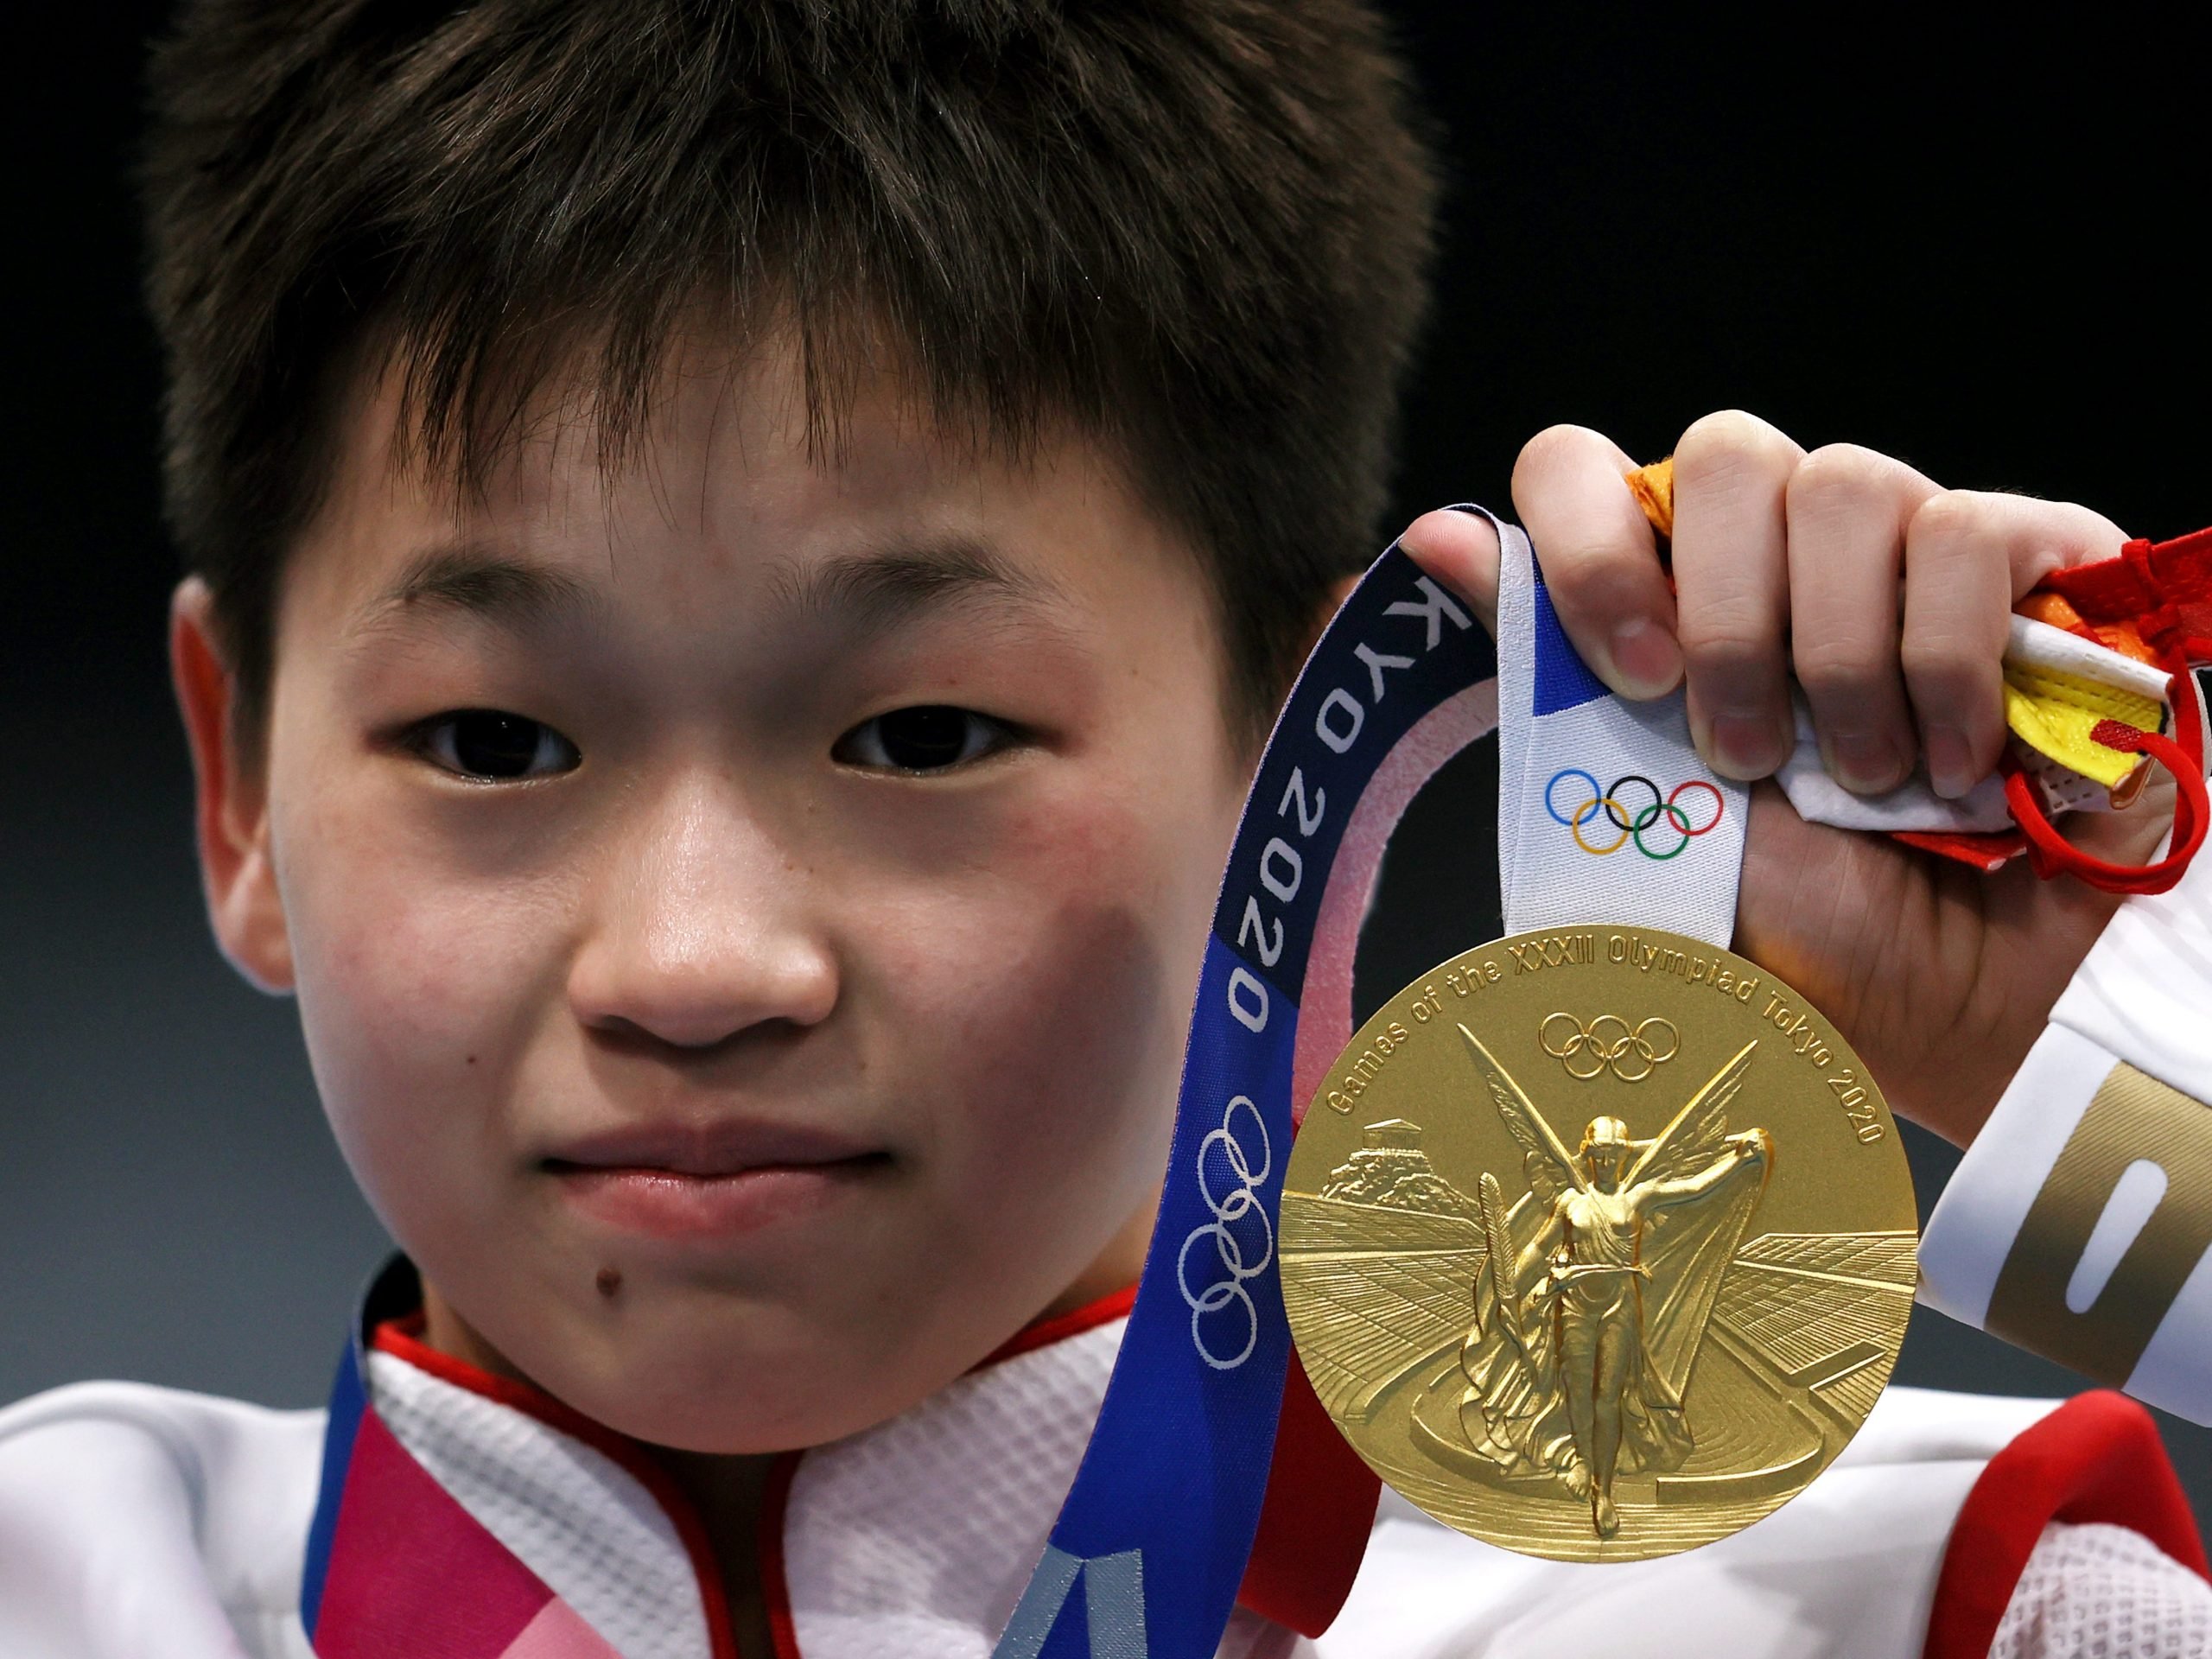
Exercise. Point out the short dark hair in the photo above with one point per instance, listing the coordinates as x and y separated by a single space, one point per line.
1198 228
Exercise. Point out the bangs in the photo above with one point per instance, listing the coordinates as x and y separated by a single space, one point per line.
1195 230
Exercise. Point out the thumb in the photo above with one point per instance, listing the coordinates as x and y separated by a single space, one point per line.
1460 551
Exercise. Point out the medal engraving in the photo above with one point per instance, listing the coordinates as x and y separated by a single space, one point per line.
1629 1344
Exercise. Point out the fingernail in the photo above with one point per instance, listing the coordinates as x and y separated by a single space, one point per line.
1865 764
1950 761
1645 658
1749 745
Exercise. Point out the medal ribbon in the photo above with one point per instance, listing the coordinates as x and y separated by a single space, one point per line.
1150 1548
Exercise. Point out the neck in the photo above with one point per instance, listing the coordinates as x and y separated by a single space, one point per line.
727 1491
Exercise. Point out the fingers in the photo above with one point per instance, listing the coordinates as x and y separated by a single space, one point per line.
1732 580
1967 557
1460 551
1599 560
1848 509
1888 598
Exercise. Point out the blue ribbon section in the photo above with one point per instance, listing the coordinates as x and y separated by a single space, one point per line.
348 1399
1563 679
1145 1560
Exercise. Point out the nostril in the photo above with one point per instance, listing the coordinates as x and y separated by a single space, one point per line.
633 990
621 1034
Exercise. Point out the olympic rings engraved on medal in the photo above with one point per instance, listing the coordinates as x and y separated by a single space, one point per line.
1238 1251
1609 1042
1630 818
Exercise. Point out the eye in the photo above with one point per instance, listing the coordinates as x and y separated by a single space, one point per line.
930 737
489 744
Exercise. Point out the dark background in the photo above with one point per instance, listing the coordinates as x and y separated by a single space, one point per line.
1956 243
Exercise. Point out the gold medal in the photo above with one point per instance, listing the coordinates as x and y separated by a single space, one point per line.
1598 1243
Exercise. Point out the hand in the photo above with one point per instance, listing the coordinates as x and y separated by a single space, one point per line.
1749 1147
1888 597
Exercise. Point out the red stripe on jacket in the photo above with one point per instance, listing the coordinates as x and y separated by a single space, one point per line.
2098 1458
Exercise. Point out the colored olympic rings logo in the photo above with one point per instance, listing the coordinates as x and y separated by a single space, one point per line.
1609 1042
1242 1238
1630 817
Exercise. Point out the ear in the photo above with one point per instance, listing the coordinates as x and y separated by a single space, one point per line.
1339 591
231 808
1332 600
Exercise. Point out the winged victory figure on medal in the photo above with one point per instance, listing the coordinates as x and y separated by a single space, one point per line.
1596 1287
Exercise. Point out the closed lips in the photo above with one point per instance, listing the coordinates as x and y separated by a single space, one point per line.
709 1151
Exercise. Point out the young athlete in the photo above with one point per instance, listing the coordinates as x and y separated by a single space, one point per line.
740 558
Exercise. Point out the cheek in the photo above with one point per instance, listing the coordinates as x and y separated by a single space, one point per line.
419 992
1056 987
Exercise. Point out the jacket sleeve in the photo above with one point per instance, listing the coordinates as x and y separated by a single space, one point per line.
136 1520
2079 1224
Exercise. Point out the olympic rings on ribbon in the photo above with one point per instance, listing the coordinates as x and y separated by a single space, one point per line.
1630 821
1243 1257
1608 1042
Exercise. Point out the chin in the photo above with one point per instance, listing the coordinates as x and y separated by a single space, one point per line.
733 1380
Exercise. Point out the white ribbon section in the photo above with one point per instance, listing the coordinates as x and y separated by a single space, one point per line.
1605 813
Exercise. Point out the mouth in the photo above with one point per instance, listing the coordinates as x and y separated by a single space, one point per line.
681 1182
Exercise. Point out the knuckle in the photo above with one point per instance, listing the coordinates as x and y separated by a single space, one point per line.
1594 579
1544 453
1837 474
1950 518
1841 671
1947 670
1740 621
1728 444
1736 657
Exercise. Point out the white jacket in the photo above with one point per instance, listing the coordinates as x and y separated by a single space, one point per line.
144 1523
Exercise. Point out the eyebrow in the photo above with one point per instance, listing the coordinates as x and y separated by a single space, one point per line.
868 592
875 591
478 582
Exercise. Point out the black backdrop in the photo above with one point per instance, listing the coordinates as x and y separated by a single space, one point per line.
1960 242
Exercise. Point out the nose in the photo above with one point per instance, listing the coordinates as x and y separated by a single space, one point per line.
702 930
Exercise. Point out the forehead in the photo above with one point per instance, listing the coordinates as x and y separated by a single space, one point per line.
733 492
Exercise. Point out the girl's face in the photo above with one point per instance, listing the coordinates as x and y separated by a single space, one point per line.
745 909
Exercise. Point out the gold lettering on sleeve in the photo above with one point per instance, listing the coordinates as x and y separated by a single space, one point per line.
2131 1118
